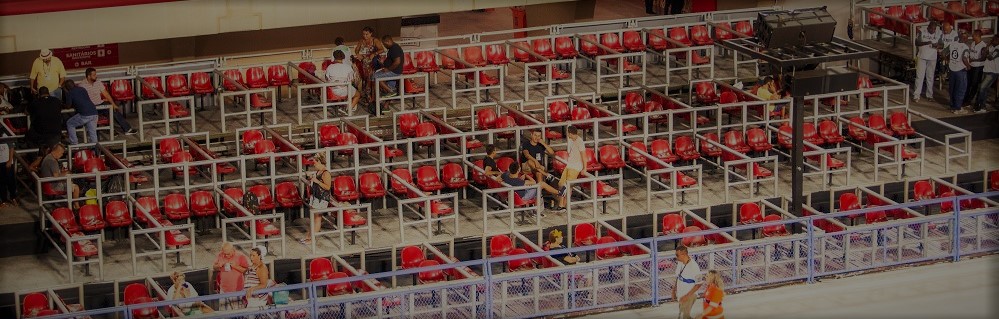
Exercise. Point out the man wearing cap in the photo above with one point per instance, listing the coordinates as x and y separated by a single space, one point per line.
49 72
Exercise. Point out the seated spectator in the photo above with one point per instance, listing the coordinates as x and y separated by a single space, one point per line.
391 67
555 243
46 121
513 177
182 289
345 79
50 168
489 162
533 153
99 96
257 277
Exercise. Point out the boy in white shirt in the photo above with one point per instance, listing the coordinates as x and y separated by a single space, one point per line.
959 61
975 54
991 69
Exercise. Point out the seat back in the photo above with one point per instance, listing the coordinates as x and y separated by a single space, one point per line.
774 230
695 240
899 121
722 33
203 201
728 97
610 155
33 304
175 203
923 190
632 40
412 256
255 77
308 67
136 292
155 83
473 54
565 46
344 186
408 123
236 194
403 174
286 191
706 88
673 224
750 213
660 148
320 269
679 34
699 34
328 134
496 54
877 122
734 139
263 194
656 39
610 252
177 85
633 102
121 90
756 136
250 139
277 75
584 234
427 175
587 47
558 110
447 61
855 131
543 47
828 129
371 182
611 40
229 76
426 129
452 172
810 134
848 201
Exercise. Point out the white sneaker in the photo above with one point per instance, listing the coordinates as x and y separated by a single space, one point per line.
960 112
915 99
981 110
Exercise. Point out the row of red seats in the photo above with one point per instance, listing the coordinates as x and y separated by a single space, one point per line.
899 127
323 269
924 190
914 13
828 133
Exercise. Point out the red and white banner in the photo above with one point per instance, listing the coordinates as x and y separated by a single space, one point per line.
88 56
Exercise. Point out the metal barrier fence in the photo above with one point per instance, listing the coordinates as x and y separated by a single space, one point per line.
801 252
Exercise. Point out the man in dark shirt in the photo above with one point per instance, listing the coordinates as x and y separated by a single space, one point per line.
489 162
86 112
46 121
391 67
533 154
515 178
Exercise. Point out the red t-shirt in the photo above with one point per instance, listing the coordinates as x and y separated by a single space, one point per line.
232 280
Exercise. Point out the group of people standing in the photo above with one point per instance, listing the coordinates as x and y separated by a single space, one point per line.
973 65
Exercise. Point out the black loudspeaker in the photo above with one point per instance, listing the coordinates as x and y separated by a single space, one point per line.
828 80
782 29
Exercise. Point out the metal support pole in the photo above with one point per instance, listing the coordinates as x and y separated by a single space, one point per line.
797 160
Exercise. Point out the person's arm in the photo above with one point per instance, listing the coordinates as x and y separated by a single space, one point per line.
919 35
966 59
379 46
10 156
34 78
530 158
395 64
107 98
983 55
548 149
692 291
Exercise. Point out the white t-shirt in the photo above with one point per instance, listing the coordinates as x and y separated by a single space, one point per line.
346 52
976 52
956 54
928 52
688 276
576 146
191 292
948 38
341 74
992 65
4 152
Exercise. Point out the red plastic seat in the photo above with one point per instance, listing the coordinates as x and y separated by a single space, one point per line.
775 230
34 304
175 207
848 202
877 122
744 27
636 158
974 9
855 131
177 85
750 213
900 124
543 47
430 276
612 41
993 7
154 82
426 129
519 264
875 19
610 252
565 47
397 186
201 83
426 61
723 34
829 132
232 75
993 181
250 139
344 188
255 77
150 205
758 140
345 139
673 224
408 123
265 202
864 82
914 13
610 157
587 46
117 214
700 36
473 54
708 149
277 75
371 185
138 294
203 204
685 149
90 218
679 34
811 135
121 90
705 92
447 62
580 114
237 195
558 111
660 148
656 39
309 68
453 176
328 134
80 158
503 122
948 206
693 241
496 54
632 41
407 64
412 257
427 179
584 235
264 147
735 141
923 190
287 195
592 164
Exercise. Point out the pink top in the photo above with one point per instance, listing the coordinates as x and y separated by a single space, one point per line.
232 280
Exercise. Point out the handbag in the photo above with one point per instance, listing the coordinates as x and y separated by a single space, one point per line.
280 297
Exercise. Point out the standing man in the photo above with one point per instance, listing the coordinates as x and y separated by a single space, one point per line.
991 69
928 41
575 165
686 282
229 266
959 62
391 67
86 112
47 71
45 114
98 94
947 36
534 152
345 79
975 54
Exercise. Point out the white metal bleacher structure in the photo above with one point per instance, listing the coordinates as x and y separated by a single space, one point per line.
423 208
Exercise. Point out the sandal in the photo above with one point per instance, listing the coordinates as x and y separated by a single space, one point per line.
305 241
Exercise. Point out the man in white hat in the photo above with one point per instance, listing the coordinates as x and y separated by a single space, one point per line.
49 72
